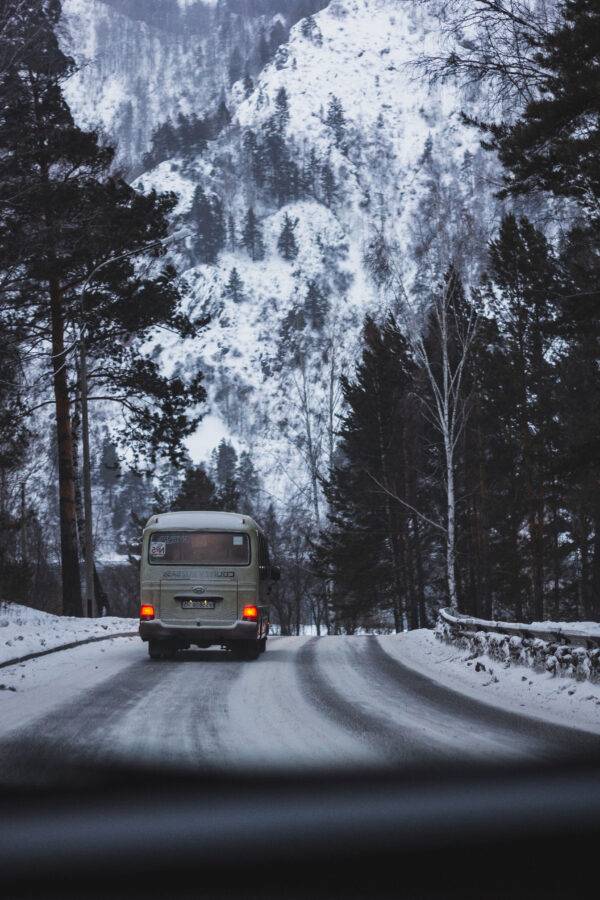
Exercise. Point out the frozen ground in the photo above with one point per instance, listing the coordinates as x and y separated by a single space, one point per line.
332 701
557 699
24 630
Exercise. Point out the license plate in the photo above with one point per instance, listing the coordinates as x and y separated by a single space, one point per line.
197 604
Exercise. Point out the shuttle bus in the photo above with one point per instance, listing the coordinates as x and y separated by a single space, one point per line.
205 579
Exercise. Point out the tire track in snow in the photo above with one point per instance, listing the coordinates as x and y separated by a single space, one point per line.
102 726
388 743
536 737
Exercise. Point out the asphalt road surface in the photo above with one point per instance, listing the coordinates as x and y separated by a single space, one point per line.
334 701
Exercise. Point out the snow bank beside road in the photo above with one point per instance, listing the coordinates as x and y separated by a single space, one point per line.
24 630
562 700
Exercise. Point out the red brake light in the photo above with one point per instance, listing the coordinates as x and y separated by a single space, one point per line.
146 611
250 613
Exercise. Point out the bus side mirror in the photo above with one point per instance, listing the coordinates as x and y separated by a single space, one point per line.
275 573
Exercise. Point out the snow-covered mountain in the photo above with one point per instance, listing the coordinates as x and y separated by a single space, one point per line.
144 61
339 137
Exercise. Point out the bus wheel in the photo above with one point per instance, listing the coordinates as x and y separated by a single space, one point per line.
155 650
161 650
262 645
247 650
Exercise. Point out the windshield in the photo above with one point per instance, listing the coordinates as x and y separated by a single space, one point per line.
299 391
199 548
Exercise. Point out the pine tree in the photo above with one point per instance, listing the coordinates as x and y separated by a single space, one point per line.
277 36
231 233
328 185
286 243
207 215
555 144
282 109
522 290
248 85
234 289
315 305
110 467
578 396
336 120
252 238
224 462
197 491
228 496
63 215
221 118
263 50
248 484
369 550
235 67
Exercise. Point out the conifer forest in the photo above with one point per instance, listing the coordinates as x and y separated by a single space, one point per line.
332 265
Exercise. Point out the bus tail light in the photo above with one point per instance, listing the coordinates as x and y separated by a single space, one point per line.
146 612
250 613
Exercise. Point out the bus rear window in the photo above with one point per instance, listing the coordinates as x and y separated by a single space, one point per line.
199 548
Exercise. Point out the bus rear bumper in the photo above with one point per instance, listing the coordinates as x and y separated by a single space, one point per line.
206 635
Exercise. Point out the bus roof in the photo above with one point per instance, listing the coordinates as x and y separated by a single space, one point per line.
223 521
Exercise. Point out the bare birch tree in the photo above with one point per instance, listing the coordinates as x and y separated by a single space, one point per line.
442 345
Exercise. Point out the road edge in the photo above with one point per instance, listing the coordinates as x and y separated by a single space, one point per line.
547 717
70 646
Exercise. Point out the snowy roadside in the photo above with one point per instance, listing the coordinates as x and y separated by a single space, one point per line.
562 700
24 630
32 689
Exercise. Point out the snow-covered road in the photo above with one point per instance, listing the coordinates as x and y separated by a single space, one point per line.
331 701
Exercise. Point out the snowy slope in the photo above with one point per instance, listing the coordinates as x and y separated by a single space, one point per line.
407 170
405 149
130 77
24 630
516 688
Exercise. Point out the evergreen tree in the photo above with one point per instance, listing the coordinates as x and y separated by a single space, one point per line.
255 163
207 215
231 233
225 463
15 570
263 50
522 290
328 185
235 67
371 551
286 243
252 238
228 497
336 120
315 305
221 118
234 289
277 36
197 491
248 85
109 472
578 387
66 222
555 144
248 484
282 109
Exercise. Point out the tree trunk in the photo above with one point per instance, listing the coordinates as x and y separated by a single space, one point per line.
423 618
71 584
594 604
451 524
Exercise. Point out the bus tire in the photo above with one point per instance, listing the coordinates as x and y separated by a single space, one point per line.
247 650
262 645
161 650
155 650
